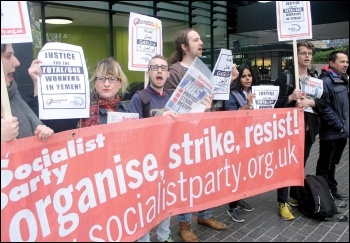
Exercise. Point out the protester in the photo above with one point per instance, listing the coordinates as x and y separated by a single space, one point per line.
188 46
242 86
58 125
290 97
108 80
24 122
157 74
241 98
334 131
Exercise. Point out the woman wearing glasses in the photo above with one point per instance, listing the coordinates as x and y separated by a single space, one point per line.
109 81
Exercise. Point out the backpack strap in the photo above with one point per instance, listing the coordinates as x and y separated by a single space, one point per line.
289 81
145 99
333 76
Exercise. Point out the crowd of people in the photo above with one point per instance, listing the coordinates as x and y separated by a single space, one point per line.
330 119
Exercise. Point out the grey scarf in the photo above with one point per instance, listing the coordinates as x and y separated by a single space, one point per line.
27 119
241 101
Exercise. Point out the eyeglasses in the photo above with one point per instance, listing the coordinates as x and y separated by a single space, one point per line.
156 67
102 79
304 53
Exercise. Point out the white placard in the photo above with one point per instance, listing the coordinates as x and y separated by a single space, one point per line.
63 89
265 96
221 75
145 40
293 20
15 24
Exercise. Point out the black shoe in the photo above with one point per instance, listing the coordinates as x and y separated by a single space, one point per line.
235 215
244 205
338 195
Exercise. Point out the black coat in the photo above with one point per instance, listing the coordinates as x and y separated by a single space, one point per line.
335 117
312 121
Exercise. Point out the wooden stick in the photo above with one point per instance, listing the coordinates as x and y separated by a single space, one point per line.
146 79
5 103
296 66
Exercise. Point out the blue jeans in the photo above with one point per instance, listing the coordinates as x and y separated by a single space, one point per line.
186 217
163 232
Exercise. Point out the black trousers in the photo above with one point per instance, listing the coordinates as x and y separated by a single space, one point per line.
282 193
329 156
294 190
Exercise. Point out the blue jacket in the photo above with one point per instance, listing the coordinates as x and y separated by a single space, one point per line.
236 100
157 101
335 116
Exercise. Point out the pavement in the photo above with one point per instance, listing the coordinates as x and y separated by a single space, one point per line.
264 223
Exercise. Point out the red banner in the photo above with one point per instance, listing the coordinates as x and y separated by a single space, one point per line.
117 181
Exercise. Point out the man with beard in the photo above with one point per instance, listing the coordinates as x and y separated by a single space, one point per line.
188 46
334 131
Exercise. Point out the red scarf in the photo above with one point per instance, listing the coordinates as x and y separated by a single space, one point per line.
109 104
95 103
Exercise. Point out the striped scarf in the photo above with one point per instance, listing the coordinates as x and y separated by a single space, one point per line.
95 104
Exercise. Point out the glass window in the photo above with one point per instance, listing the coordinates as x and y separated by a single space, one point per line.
287 63
88 30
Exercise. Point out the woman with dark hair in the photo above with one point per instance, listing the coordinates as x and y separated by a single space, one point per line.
240 98
23 122
241 90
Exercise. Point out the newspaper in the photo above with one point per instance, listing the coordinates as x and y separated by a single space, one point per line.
117 116
311 88
194 86
265 96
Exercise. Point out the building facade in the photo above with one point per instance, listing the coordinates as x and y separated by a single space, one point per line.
101 29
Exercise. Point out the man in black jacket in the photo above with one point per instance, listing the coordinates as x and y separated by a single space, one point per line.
334 131
291 97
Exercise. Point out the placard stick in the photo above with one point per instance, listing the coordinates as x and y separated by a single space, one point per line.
5 103
146 79
296 67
